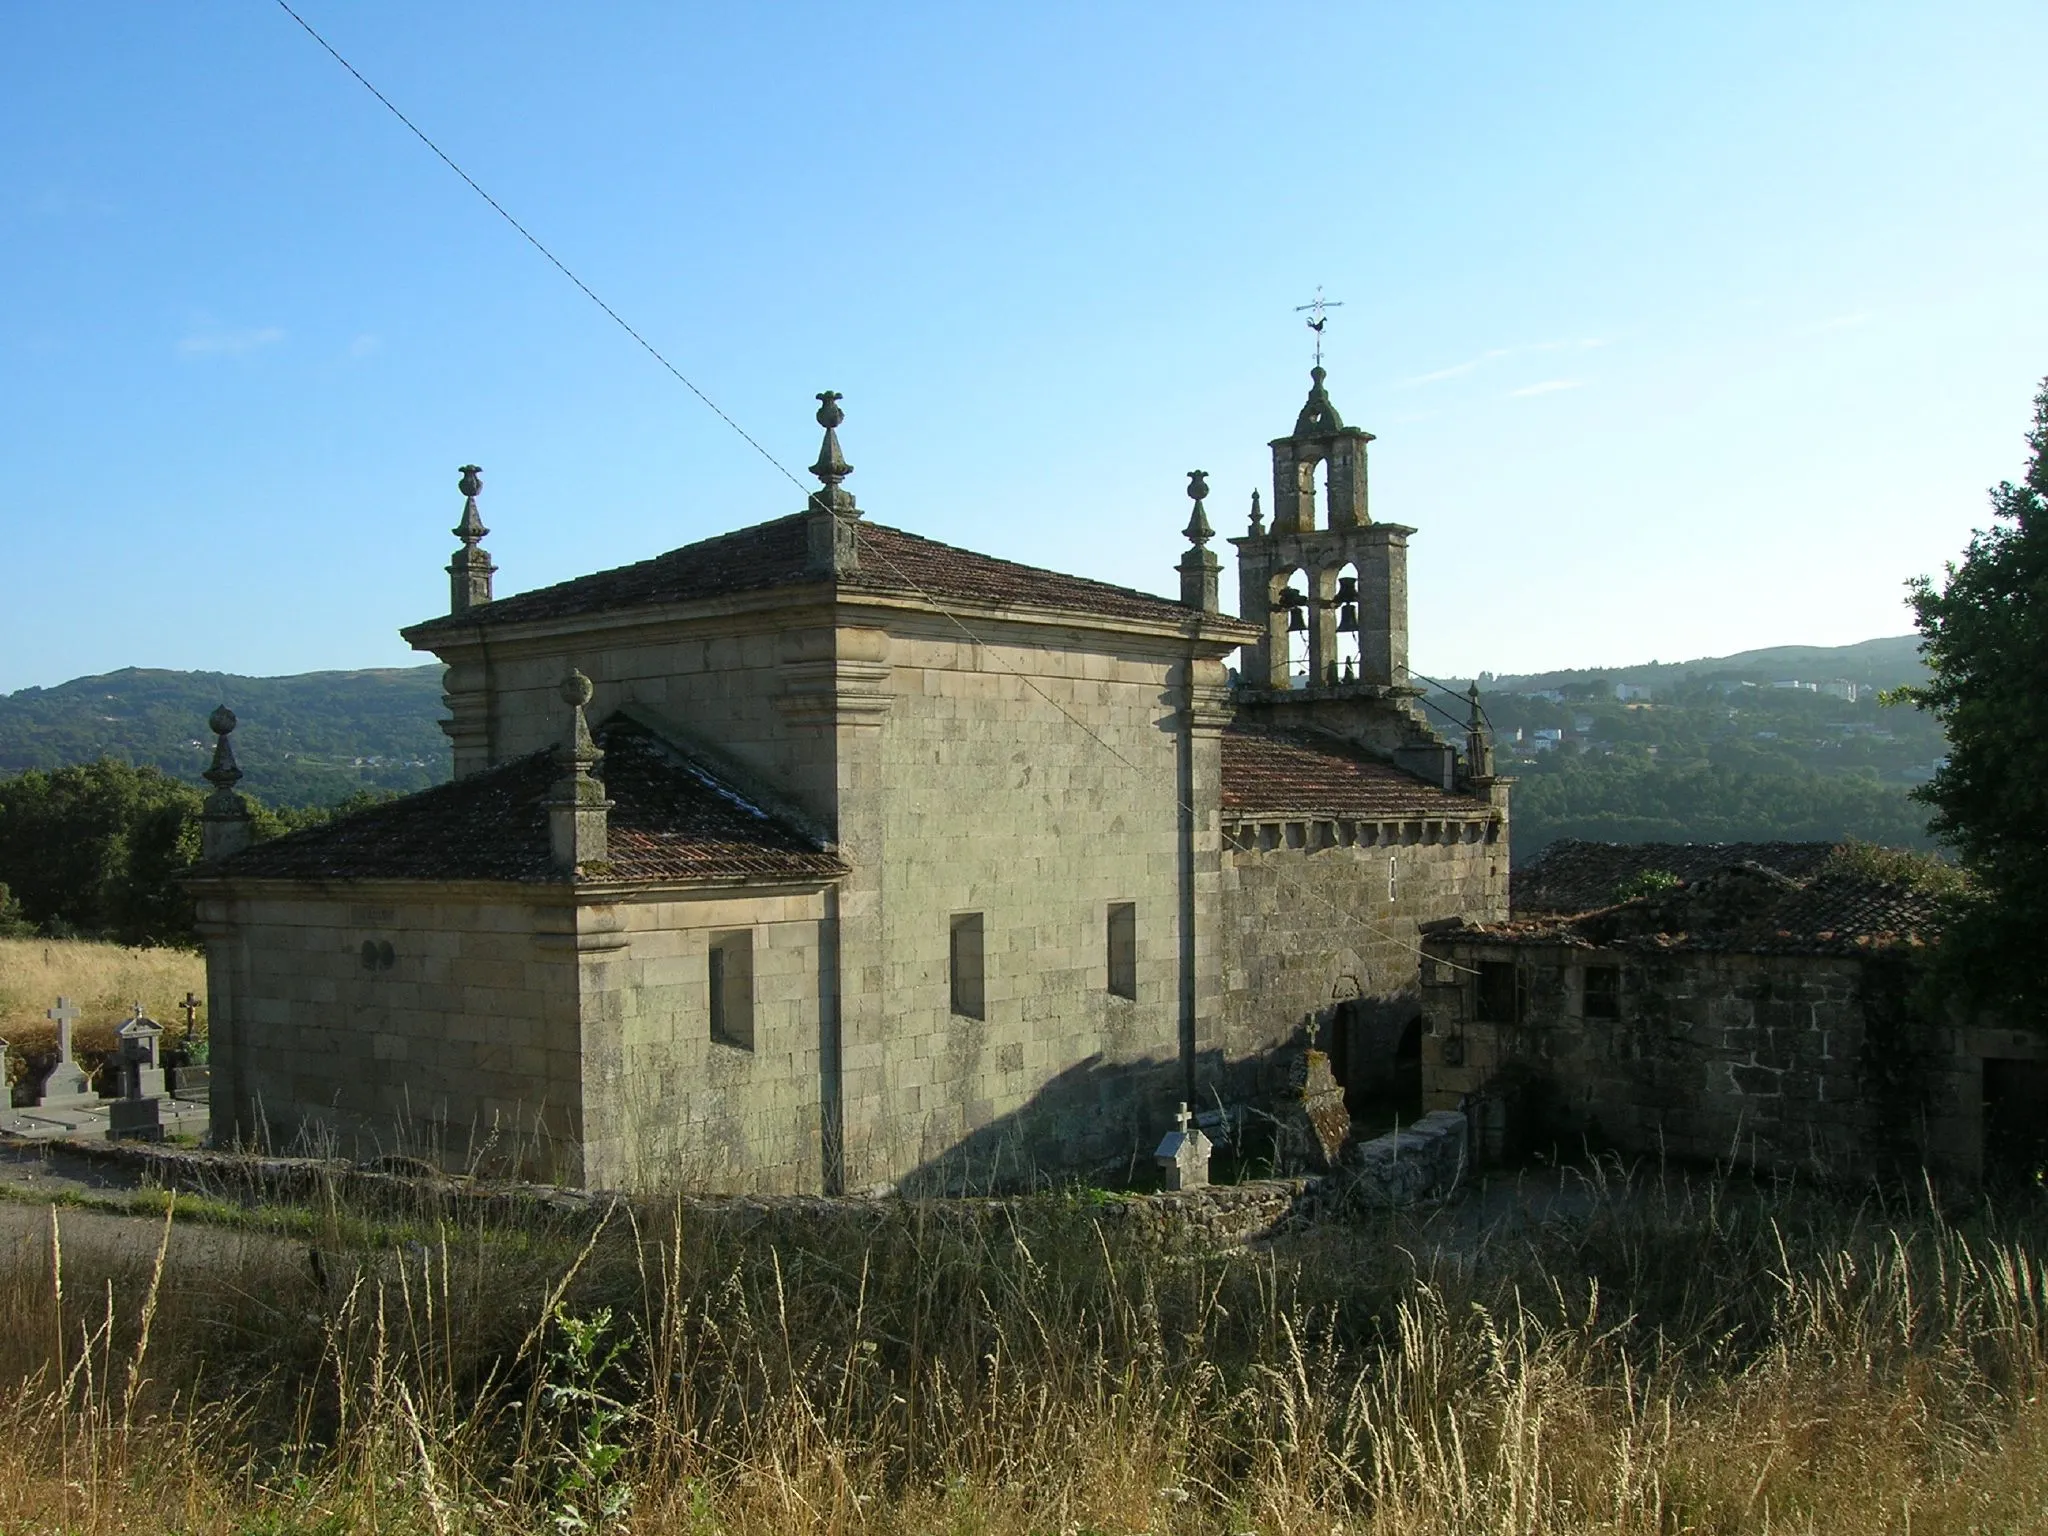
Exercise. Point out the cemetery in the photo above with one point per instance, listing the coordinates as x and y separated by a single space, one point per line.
148 1099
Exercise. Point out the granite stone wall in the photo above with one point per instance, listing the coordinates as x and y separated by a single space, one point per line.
1320 913
556 1038
394 1021
976 792
1812 1063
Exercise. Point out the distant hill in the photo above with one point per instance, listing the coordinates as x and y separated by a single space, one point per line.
1701 763
303 740
1885 663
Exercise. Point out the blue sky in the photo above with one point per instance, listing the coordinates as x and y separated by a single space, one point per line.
1683 329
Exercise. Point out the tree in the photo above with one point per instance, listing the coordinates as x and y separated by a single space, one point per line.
1984 632
97 849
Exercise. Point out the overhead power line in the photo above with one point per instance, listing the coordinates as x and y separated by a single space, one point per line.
868 544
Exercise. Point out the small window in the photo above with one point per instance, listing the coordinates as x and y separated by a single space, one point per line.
964 966
1500 999
1603 992
1123 948
732 989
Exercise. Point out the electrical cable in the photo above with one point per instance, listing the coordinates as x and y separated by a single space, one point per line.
652 351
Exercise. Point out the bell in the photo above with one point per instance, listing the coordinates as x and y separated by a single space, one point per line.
1347 589
1297 621
1347 619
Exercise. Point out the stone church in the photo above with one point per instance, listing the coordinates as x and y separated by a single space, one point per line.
821 856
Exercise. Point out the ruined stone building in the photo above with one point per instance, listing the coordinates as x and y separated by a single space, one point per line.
820 855
1759 1009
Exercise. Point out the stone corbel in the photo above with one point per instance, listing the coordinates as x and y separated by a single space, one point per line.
468 728
1205 697
588 930
835 677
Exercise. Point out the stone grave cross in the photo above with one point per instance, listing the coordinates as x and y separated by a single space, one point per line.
66 1087
63 1014
1183 1155
191 1005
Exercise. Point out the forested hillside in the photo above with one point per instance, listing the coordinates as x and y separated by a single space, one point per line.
306 740
1708 750
1885 663
1719 750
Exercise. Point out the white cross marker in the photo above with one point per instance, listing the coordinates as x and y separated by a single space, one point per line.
1184 1118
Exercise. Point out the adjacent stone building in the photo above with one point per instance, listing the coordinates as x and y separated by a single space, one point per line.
822 855
1761 1011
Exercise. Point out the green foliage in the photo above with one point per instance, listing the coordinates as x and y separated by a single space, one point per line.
14 923
1645 882
98 850
310 739
1883 663
1633 798
1717 753
1984 631
1916 871
589 1489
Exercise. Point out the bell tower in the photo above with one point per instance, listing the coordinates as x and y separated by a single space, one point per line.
1353 572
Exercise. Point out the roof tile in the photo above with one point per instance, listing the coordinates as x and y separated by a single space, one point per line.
775 554
1275 772
671 820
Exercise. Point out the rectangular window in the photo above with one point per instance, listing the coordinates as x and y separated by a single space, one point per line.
1603 992
1123 948
1500 999
732 989
964 966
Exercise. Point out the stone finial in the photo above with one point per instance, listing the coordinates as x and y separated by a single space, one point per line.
832 467
1258 527
224 826
1478 745
225 773
469 573
577 808
1198 531
833 546
1198 567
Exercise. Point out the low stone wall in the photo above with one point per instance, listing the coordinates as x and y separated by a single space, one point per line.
1215 1216
1425 1161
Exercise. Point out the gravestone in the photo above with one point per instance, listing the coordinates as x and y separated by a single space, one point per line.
142 1073
137 1114
1311 1122
1183 1155
67 1087
188 1080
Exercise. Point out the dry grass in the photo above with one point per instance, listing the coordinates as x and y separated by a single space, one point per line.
1705 1359
104 980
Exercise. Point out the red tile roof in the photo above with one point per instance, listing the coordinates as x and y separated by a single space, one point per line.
671 820
1747 909
1305 773
1572 875
774 554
